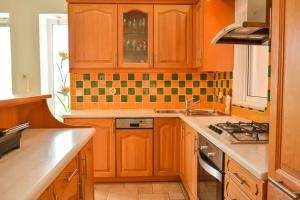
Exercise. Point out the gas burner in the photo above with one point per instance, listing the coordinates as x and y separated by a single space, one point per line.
243 132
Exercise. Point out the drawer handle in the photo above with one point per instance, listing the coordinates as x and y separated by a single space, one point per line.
69 178
293 195
236 177
85 165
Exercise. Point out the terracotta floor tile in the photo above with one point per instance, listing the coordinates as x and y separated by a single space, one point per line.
123 194
142 187
154 197
100 194
176 196
166 187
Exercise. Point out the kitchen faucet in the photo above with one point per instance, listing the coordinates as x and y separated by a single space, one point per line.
191 103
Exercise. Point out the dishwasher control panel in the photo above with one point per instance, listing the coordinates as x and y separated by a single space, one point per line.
134 123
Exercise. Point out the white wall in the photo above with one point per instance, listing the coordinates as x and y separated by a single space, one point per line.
24 23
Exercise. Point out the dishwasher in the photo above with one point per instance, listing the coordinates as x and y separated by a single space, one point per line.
134 147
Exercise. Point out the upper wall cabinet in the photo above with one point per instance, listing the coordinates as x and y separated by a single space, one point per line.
173 36
135 35
135 1
93 35
209 18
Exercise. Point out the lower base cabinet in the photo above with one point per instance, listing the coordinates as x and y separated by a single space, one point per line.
276 194
232 191
134 150
76 180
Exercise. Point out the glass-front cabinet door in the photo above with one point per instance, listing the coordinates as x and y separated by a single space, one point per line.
135 36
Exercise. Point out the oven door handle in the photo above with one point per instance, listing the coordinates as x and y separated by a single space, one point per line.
210 169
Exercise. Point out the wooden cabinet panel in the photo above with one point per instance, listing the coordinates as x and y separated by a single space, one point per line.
181 168
87 171
166 146
134 153
198 34
284 162
103 144
190 161
47 194
275 194
250 185
173 36
217 15
93 35
66 185
135 31
232 191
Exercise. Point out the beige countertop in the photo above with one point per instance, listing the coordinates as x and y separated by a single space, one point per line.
253 157
26 172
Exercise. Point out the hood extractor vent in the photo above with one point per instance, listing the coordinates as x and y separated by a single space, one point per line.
252 24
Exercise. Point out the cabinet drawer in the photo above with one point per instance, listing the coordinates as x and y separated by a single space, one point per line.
232 190
248 183
66 185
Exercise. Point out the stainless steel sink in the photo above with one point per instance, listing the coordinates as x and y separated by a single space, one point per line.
170 111
190 113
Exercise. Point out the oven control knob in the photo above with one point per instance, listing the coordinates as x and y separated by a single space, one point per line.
203 148
211 154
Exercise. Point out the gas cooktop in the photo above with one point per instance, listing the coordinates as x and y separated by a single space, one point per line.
243 132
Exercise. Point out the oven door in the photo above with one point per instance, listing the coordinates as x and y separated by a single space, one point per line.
210 180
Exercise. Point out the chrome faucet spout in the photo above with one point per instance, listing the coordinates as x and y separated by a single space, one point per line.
190 104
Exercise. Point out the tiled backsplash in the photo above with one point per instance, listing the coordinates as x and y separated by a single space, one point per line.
98 90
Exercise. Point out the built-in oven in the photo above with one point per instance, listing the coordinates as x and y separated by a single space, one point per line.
210 171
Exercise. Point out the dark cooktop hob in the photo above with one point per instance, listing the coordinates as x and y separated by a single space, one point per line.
242 132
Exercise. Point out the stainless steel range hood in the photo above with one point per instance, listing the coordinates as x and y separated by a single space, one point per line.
251 27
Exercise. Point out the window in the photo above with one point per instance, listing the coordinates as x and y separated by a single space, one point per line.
250 80
54 62
5 55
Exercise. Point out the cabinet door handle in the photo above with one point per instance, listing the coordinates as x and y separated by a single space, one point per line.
69 178
195 145
86 165
236 177
293 195
55 195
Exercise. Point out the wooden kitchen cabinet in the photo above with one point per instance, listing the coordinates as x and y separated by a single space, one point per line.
284 162
166 146
210 17
93 35
232 191
47 194
134 152
173 36
103 144
87 172
190 160
135 35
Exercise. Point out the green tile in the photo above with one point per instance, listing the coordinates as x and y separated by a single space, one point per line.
203 91
230 92
210 98
174 91
109 98
160 76
167 84
189 91
131 77
118 91
124 98
219 75
224 92
168 98
138 98
231 75
203 76
189 77
181 83
101 76
222 83
153 84
87 91
224 75
79 84
138 83
227 83
94 84
86 77
146 91
196 83
94 98
116 77
210 84
123 83
196 98
131 91
145 76
152 98
181 98
160 90
101 91
269 71
79 99
174 77
217 83
109 83
269 95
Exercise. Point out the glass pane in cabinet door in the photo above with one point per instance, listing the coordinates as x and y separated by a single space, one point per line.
135 37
